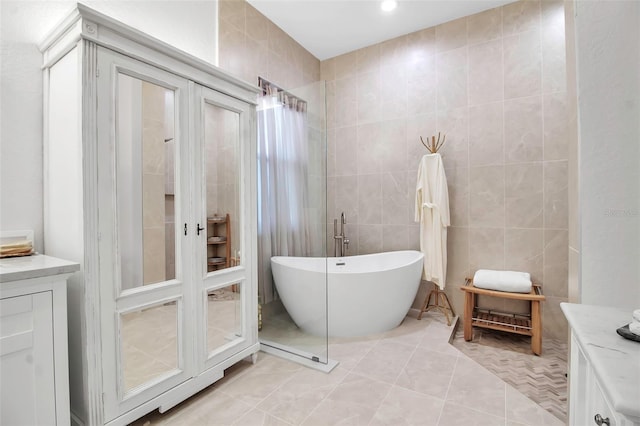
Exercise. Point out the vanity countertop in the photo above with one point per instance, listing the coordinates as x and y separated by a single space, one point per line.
615 360
39 265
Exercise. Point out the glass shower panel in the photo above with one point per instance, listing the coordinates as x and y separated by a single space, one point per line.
292 155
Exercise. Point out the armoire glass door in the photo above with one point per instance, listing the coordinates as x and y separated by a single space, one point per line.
143 181
224 222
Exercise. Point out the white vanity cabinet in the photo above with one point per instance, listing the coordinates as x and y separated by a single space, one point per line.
34 385
144 143
604 376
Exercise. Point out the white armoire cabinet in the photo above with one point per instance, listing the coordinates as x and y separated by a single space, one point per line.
143 143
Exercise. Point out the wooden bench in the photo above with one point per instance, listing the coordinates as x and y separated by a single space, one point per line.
525 324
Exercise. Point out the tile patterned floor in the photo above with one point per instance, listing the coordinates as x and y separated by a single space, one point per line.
541 378
410 375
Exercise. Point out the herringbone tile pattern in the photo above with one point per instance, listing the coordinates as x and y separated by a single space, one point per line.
508 356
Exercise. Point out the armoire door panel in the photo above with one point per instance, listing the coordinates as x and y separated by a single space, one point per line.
143 180
220 180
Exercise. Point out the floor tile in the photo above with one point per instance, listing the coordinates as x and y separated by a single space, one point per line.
405 407
476 388
523 410
385 361
408 376
428 372
459 415
298 397
353 402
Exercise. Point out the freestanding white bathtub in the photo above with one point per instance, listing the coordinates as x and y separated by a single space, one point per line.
365 294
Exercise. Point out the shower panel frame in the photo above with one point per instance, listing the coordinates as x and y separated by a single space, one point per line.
297 349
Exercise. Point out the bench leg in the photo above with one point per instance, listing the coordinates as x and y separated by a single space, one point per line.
536 328
469 302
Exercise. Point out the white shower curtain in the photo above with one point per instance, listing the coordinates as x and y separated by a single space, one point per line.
283 223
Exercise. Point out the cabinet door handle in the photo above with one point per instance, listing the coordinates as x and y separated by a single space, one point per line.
601 421
199 228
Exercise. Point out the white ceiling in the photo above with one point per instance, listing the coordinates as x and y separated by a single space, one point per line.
329 28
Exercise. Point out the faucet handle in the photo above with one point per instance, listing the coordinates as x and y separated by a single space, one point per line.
346 243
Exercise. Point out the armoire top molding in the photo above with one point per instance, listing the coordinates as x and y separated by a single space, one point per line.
85 23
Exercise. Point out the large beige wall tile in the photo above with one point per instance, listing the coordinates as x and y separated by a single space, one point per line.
346 65
525 249
346 96
556 202
451 35
556 263
554 70
369 148
257 25
368 97
522 65
454 124
370 199
452 71
523 192
523 134
486 249
422 91
393 92
346 199
486 76
395 237
233 12
394 51
556 129
486 196
521 16
422 42
484 26
486 134
368 59
554 323
369 239
396 198
346 151
458 183
392 148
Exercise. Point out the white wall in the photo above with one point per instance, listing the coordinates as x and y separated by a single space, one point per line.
608 77
188 25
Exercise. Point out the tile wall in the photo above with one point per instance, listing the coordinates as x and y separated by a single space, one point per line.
495 83
250 45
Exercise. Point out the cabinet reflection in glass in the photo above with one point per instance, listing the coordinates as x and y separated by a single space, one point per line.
146 189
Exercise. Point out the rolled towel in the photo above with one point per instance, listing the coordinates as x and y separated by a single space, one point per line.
636 315
511 281
634 327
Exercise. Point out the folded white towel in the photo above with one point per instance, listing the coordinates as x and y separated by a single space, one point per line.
512 281
636 315
634 327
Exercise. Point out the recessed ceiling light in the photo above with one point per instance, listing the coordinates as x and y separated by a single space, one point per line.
388 5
